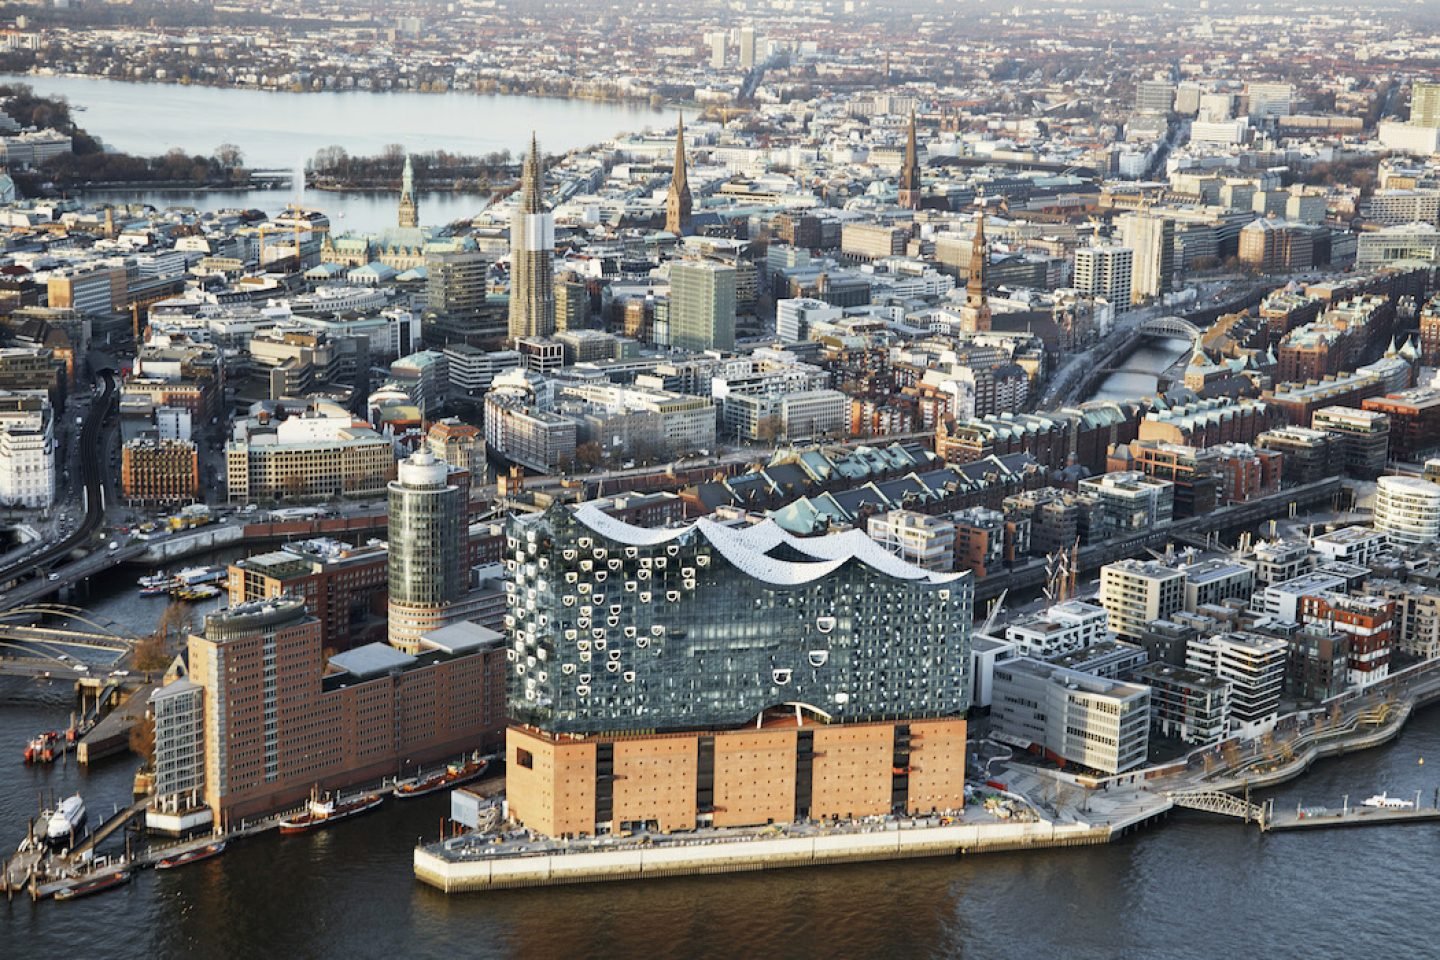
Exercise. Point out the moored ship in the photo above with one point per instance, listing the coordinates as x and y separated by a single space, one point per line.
66 821
323 813
453 775
192 856
99 885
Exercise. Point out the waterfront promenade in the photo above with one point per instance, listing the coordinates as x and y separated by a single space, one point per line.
1069 809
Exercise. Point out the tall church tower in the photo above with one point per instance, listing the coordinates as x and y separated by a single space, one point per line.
532 249
975 315
910 173
678 203
409 213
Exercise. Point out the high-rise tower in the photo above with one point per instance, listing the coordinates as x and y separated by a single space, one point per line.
532 247
427 543
678 203
409 213
910 173
975 315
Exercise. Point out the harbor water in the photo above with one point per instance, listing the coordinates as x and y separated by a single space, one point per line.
1194 887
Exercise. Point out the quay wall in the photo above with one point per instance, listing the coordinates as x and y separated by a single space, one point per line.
742 855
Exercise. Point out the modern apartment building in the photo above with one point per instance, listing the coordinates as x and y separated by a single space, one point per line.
1106 272
1254 665
1059 629
1136 592
1190 706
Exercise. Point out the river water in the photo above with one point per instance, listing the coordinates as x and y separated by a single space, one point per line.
1142 369
1194 887
278 130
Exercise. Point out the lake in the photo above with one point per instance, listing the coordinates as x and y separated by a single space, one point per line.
278 130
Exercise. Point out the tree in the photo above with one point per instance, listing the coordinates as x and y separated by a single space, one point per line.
229 156
142 740
589 455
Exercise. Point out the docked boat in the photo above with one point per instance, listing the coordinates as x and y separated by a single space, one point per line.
204 591
67 819
155 580
194 576
99 885
43 749
158 589
192 856
1385 802
324 813
452 776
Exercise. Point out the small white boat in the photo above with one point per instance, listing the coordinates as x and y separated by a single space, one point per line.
1385 802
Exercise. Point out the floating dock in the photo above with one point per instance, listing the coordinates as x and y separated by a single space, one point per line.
1355 817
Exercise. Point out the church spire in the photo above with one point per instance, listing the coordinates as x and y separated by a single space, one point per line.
409 212
532 180
678 203
975 315
910 172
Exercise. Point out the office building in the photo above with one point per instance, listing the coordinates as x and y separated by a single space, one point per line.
1188 705
427 545
177 805
315 455
1209 583
532 256
1363 438
1414 421
1137 592
27 449
342 586
1130 501
1425 103
925 541
1270 100
705 675
1152 240
1407 510
702 305
1106 273
281 720
1070 717
747 47
1254 665
455 283
154 471
1154 96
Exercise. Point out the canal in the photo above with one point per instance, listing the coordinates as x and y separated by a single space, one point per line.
1142 369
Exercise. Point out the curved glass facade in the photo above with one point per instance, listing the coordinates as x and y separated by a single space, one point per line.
426 535
705 627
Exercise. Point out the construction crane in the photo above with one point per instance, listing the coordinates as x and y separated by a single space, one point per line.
297 228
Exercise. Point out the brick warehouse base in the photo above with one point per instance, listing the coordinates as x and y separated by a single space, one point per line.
788 768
